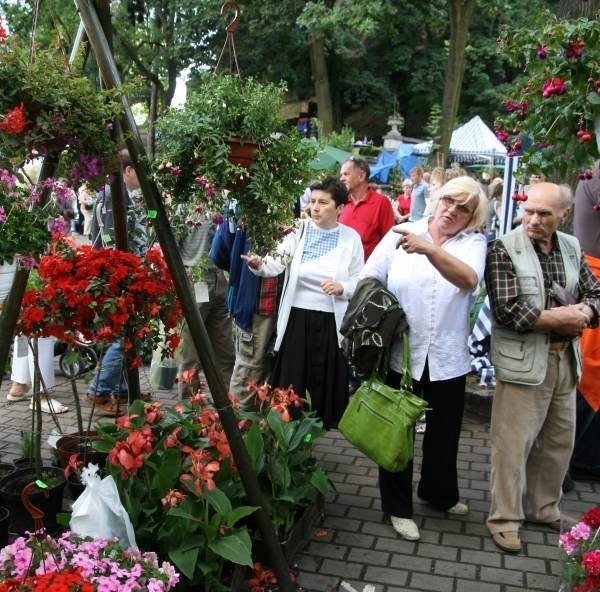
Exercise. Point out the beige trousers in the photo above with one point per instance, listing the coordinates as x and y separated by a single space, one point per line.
532 436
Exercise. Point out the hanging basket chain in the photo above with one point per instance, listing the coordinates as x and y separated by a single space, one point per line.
229 44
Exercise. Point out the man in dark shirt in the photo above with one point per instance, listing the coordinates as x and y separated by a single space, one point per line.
536 356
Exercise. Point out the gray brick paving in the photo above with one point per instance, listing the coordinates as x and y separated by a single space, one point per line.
455 554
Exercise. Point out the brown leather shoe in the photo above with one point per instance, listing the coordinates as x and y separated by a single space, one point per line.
509 541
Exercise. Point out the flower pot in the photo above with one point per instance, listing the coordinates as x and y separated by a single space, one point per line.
7 274
4 522
81 444
242 154
166 377
75 487
294 540
23 462
10 490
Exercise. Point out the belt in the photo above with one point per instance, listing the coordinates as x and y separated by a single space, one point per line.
563 344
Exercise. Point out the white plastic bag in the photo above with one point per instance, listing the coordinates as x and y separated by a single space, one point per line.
98 511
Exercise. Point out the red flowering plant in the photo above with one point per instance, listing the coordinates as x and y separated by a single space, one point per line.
47 107
553 110
179 483
580 554
103 295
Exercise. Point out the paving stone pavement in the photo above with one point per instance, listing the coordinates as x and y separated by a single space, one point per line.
354 548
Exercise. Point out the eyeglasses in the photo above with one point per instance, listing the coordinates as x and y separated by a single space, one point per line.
461 208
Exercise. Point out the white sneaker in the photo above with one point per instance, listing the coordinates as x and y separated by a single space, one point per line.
459 509
406 528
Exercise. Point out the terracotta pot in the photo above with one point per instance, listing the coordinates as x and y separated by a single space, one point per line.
243 154
10 489
77 443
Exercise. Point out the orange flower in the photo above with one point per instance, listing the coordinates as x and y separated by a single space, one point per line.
14 122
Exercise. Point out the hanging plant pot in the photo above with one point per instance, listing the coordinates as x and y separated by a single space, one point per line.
81 444
242 154
10 490
7 274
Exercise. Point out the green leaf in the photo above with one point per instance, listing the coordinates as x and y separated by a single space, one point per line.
234 547
283 431
593 98
255 446
218 501
319 480
185 560
281 475
239 513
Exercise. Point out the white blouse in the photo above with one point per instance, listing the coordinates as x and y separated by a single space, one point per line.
437 311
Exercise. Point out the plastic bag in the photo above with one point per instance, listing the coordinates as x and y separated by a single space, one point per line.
99 513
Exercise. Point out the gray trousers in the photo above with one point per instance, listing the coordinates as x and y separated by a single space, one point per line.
250 358
216 318
532 436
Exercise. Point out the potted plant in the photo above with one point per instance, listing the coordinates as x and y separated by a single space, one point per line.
230 135
47 107
41 562
554 111
580 554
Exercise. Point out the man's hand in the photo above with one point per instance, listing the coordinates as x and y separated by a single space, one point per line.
570 320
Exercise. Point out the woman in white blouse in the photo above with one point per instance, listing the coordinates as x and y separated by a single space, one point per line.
321 259
432 266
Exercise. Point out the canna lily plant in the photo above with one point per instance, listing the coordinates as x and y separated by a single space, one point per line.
179 483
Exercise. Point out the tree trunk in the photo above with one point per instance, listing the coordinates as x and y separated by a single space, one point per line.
320 78
460 13
570 9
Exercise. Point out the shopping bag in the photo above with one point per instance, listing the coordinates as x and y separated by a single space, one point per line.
98 511
379 419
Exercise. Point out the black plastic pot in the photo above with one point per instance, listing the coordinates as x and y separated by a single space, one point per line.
10 489
4 522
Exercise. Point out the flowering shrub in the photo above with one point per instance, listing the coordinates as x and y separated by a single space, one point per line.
179 483
73 563
551 114
47 107
581 554
102 294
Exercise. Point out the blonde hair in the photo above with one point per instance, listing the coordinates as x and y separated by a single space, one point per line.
471 191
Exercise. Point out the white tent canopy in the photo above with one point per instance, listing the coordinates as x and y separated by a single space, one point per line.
472 141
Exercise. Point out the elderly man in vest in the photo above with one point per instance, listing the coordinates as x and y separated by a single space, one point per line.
542 295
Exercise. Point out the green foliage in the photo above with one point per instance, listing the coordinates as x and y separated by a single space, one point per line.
194 145
344 139
551 114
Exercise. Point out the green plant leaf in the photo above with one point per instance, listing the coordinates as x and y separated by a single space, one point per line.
255 446
594 98
218 501
283 431
319 480
234 547
239 513
185 559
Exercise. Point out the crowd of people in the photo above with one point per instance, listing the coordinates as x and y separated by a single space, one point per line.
277 318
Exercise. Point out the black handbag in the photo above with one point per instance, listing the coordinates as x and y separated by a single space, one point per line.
379 419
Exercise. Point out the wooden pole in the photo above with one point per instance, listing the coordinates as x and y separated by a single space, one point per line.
198 332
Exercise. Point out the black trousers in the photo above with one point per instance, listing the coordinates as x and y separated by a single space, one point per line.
439 479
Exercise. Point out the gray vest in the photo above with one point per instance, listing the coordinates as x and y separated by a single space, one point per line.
522 358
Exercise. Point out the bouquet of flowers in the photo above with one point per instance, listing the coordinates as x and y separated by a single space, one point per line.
580 550
103 294
83 564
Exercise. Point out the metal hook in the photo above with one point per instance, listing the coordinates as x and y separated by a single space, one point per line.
230 4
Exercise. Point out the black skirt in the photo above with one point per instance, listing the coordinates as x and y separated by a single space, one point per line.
310 360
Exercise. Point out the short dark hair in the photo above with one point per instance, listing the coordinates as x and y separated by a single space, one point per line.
335 188
362 165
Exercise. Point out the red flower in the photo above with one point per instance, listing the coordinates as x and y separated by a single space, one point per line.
172 499
262 578
592 517
14 122
131 453
3 33
591 562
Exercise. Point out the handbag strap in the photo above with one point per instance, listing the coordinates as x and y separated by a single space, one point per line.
406 380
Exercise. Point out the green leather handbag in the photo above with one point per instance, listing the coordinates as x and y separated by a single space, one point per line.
380 420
